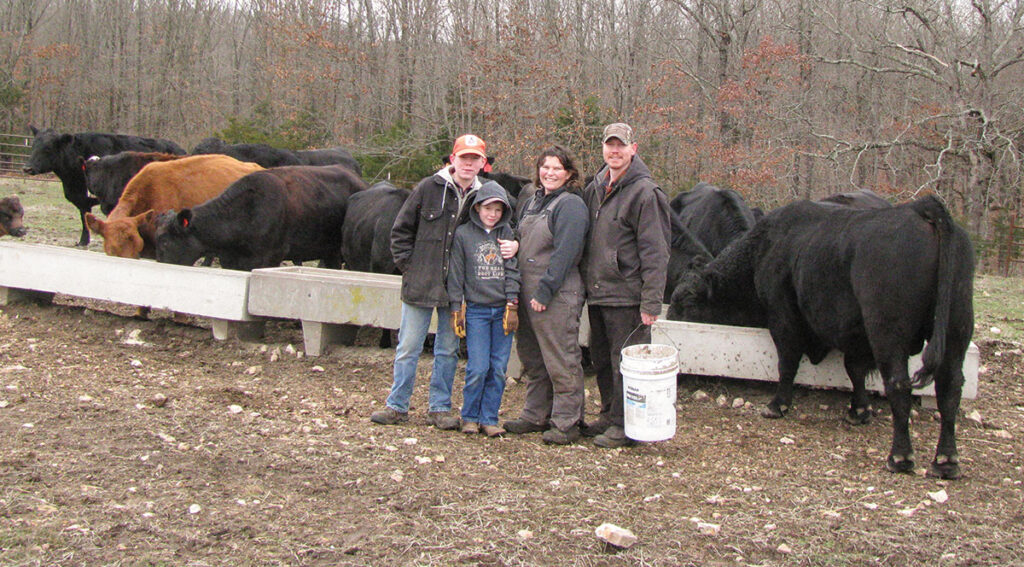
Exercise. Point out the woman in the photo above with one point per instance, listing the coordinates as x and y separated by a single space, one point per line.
553 229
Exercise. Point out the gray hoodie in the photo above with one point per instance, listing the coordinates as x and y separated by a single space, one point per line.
477 273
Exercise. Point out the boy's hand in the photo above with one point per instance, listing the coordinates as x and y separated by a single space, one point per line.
510 322
509 248
459 322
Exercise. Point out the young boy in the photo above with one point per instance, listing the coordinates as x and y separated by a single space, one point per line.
490 287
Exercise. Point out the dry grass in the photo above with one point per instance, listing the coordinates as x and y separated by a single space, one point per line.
105 475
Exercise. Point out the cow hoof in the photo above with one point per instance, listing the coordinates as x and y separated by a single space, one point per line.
858 417
945 466
948 471
774 411
901 465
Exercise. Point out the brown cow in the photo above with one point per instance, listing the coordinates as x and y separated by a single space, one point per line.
11 217
162 186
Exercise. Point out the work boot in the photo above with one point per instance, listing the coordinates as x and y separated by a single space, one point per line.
597 427
556 436
470 427
614 436
389 416
520 426
492 430
443 420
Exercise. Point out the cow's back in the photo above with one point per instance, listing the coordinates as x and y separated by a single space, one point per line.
89 144
285 213
187 182
329 156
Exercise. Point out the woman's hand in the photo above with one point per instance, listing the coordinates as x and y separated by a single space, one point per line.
537 306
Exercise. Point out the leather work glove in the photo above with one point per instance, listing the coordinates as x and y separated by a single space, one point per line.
459 322
510 322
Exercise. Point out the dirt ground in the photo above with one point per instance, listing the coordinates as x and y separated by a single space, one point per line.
147 442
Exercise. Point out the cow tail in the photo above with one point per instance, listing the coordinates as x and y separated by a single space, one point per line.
932 210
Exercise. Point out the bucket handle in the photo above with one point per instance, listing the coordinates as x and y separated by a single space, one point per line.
625 343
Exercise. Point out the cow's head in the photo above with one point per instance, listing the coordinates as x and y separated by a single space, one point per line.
701 296
51 151
176 242
11 217
122 237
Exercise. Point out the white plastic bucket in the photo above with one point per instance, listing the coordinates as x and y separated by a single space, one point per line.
649 391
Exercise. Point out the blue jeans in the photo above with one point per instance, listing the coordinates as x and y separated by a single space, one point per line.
413 331
488 348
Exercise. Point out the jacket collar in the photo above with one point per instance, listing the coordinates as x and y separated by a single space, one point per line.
637 170
447 180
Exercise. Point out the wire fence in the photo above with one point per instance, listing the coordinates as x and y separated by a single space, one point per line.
14 152
1010 248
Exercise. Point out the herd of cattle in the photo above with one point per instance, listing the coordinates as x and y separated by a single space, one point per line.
850 272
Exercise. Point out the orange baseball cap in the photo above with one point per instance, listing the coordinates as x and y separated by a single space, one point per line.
469 144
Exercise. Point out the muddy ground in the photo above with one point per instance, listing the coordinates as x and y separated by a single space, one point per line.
147 442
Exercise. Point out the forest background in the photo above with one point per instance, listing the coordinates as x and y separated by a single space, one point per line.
777 99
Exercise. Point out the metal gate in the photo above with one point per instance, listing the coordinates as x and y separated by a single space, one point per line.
14 152
1010 250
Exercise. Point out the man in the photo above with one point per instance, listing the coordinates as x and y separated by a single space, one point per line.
624 269
421 242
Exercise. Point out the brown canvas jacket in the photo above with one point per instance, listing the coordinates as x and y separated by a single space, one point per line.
626 258
421 238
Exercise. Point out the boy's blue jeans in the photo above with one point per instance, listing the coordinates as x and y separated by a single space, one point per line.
488 349
415 324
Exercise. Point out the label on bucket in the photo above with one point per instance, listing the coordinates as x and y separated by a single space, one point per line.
652 410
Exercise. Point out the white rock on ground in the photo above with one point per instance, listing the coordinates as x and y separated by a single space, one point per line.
615 535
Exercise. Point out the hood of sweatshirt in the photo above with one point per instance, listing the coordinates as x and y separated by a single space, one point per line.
488 191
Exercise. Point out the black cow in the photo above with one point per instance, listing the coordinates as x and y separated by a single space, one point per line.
107 176
704 221
288 213
715 216
266 156
687 253
366 235
873 284
64 155
513 184
329 156
12 217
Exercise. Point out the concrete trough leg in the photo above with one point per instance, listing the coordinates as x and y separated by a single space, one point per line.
318 337
9 295
326 301
246 331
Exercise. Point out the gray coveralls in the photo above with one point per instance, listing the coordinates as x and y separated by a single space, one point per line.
548 342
